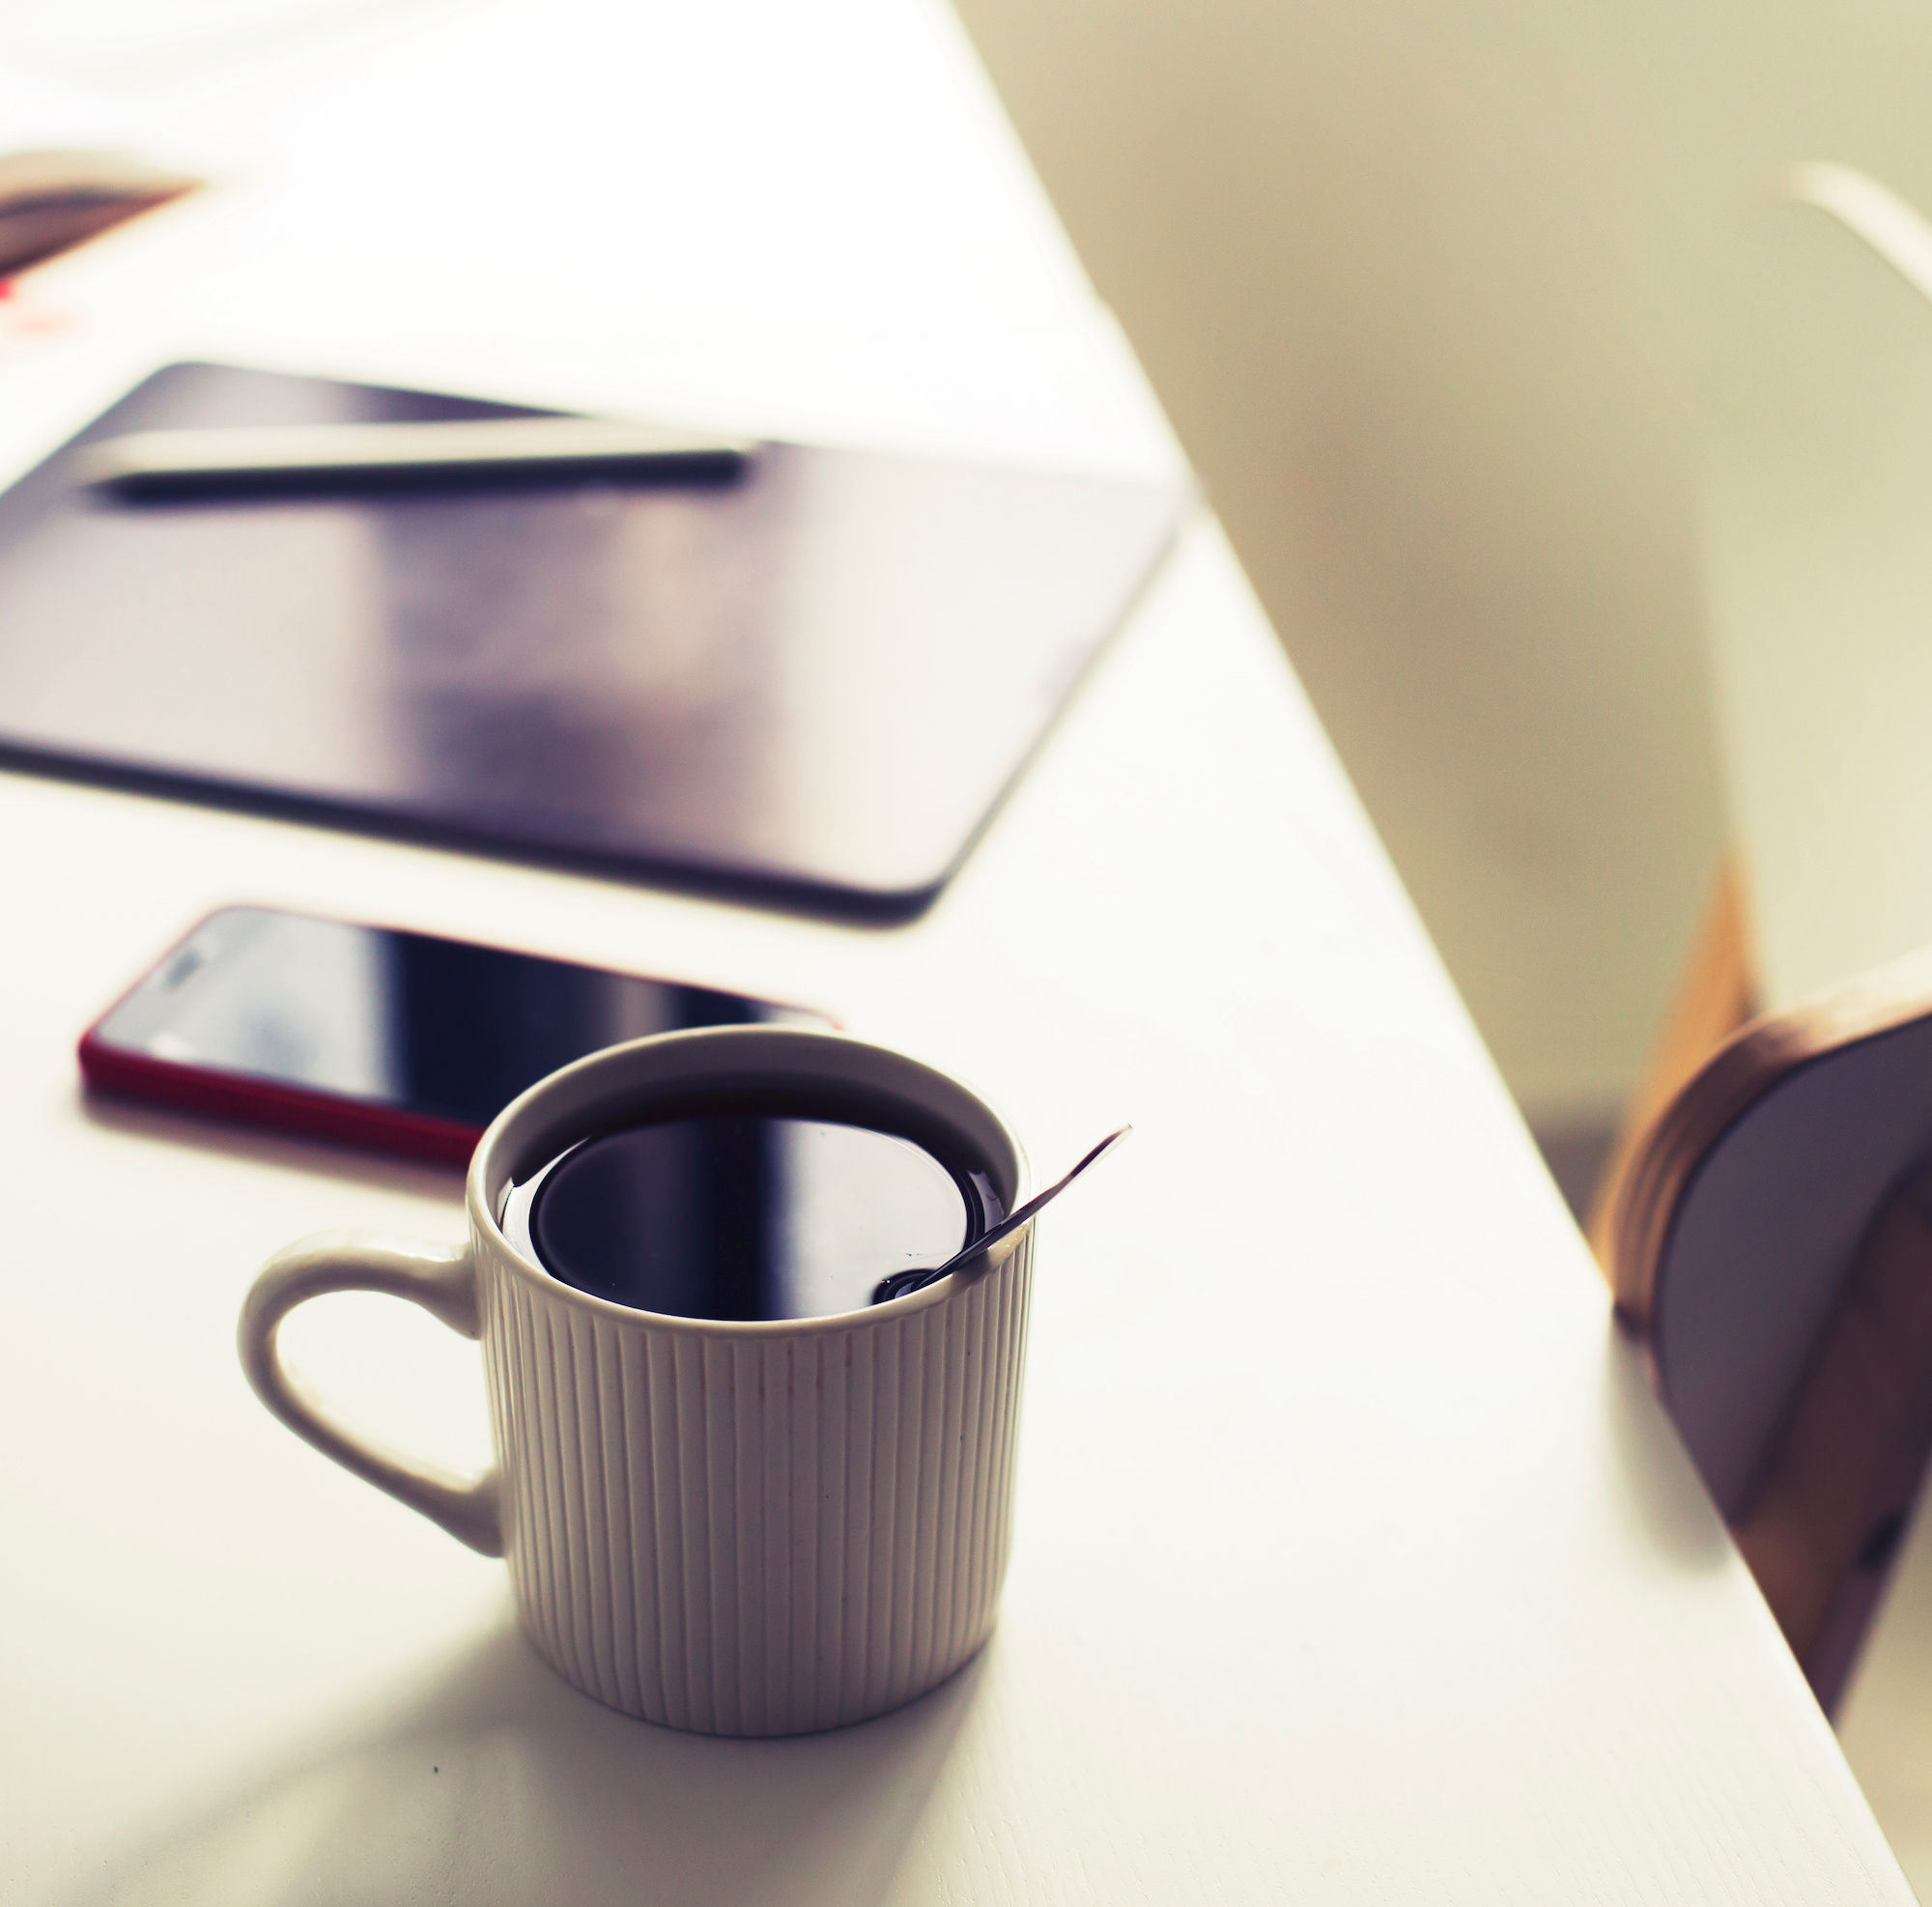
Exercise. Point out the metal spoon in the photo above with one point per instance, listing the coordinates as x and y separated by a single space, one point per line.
902 1282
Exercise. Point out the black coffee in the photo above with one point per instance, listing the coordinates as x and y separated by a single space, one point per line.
744 1215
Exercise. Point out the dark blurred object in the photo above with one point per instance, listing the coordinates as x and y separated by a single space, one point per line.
51 201
812 685
1772 1239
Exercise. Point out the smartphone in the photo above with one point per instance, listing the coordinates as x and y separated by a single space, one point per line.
406 1042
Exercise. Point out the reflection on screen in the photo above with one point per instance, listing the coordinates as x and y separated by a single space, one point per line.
404 1019
742 1213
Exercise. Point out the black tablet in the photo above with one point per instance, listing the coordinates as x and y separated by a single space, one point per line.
810 682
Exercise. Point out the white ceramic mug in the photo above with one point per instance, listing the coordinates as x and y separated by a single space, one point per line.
741 1529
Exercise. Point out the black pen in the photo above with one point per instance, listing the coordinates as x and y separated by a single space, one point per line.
185 462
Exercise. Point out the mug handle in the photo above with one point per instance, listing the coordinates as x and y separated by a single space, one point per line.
442 1280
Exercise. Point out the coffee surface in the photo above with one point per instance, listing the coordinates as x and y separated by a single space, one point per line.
744 1215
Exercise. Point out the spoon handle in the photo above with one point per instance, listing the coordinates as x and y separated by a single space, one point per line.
902 1282
1013 1220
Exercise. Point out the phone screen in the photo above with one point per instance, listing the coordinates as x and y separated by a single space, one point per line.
441 1029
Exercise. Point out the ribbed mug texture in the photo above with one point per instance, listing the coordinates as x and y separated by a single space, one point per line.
757 1535
741 1529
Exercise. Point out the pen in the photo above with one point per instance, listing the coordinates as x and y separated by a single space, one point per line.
185 462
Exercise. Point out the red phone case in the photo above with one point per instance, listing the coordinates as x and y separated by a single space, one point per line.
309 1110
241 1095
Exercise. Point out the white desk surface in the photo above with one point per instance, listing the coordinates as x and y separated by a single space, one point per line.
1433 1608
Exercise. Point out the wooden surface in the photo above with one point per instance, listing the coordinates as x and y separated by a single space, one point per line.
1402 1589
1769 1240
1743 1070
1715 995
1841 1478
1817 483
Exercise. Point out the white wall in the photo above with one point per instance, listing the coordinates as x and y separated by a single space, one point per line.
1419 285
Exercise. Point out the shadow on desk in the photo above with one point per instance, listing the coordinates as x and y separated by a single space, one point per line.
497 1782
289 1151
